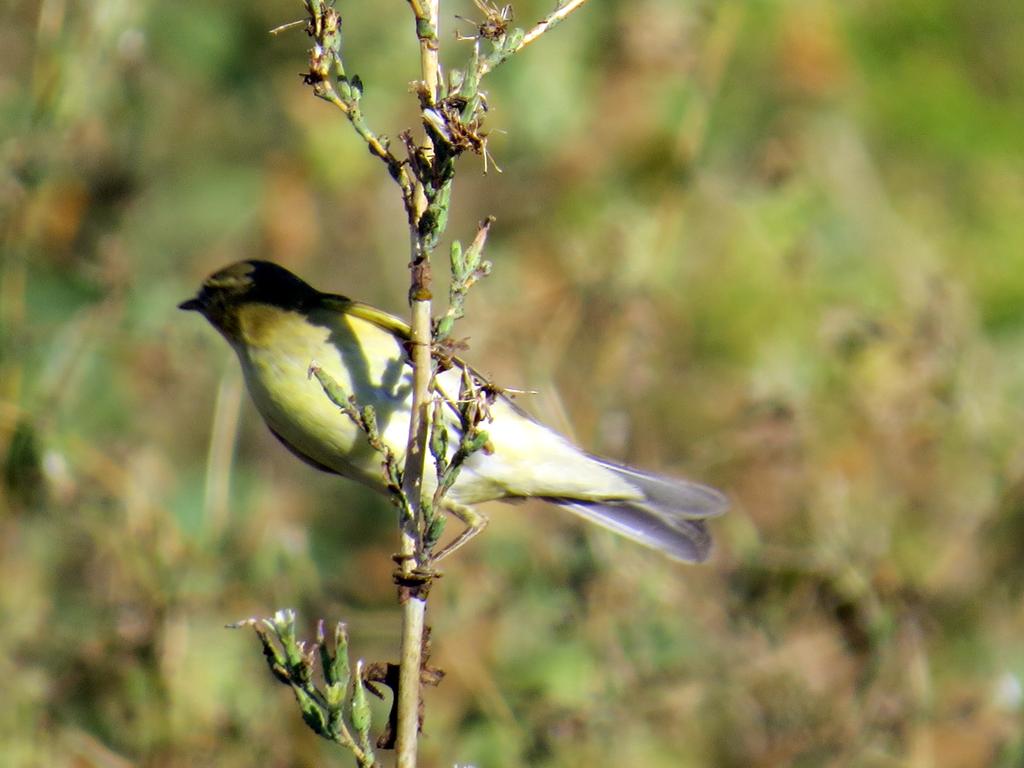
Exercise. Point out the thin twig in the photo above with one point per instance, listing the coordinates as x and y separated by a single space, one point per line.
550 21
289 25
331 83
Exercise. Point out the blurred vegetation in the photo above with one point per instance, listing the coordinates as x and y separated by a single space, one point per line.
776 246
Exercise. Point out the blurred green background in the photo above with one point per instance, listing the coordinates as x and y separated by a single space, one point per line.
776 246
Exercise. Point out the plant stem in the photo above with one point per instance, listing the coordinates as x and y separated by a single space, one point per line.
413 622
428 14
411 593
413 598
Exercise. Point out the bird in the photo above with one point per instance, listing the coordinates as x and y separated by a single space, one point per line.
279 325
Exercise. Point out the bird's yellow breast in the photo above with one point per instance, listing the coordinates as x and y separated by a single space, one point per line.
276 350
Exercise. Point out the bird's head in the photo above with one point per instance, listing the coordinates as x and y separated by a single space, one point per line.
227 292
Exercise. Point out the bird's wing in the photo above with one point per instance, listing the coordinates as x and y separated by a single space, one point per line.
378 317
400 329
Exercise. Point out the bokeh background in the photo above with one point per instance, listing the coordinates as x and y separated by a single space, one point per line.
776 246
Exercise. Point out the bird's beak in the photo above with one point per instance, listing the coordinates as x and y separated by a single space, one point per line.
192 304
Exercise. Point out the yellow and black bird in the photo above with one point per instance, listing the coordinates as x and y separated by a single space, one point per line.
278 325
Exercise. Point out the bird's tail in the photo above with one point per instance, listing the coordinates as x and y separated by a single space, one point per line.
669 518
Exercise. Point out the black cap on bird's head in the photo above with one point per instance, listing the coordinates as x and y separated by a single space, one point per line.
249 282
244 283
